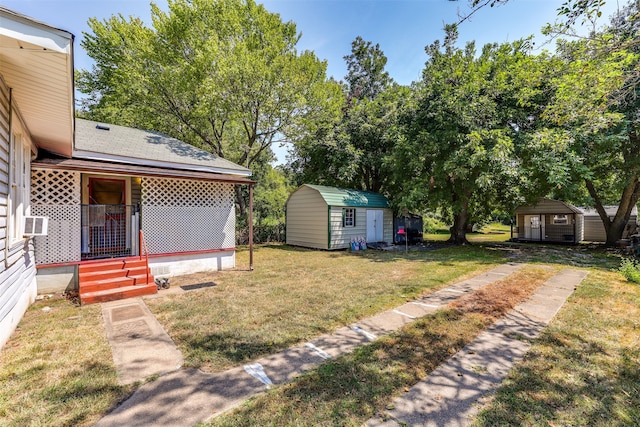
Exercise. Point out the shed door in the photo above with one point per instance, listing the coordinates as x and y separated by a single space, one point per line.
533 227
374 225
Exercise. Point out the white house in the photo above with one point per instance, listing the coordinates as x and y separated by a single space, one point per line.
120 204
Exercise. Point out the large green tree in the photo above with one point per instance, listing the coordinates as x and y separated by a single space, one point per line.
224 75
457 155
355 153
595 117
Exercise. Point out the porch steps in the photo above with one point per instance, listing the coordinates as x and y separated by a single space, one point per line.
112 280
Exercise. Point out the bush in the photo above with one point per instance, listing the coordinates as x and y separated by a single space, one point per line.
630 269
433 224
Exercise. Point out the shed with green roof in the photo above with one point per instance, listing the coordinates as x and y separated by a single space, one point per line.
322 217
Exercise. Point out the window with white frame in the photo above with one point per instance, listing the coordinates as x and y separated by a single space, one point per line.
560 219
348 217
19 170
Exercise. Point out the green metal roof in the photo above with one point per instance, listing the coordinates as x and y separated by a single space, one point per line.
334 196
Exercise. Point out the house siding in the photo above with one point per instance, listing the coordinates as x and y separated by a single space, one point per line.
17 269
307 219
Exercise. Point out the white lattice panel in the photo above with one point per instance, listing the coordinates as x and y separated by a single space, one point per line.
186 193
169 229
51 187
62 244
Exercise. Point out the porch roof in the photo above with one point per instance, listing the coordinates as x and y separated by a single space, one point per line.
93 166
120 144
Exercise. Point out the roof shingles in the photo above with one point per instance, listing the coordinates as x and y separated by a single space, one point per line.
129 145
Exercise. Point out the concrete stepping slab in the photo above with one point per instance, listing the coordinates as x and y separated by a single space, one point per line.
449 395
139 344
384 323
183 398
342 341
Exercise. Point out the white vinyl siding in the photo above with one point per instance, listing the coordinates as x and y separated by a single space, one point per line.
17 269
341 236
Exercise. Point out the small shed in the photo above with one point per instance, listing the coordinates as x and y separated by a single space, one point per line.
408 227
548 221
594 228
322 217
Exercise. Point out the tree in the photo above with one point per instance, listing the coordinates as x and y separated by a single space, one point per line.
593 119
355 152
223 75
457 152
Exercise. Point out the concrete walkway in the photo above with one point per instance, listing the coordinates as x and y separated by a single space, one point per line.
449 396
188 396
139 344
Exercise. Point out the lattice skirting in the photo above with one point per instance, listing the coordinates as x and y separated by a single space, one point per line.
184 229
186 193
62 244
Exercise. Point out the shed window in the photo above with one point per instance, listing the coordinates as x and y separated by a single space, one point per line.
348 217
560 219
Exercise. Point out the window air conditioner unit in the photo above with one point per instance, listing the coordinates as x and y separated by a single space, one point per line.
36 225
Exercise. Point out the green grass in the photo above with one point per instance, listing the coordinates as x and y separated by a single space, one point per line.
585 368
57 368
490 233
350 389
296 294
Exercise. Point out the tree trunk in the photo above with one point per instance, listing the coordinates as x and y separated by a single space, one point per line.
459 228
630 196
240 201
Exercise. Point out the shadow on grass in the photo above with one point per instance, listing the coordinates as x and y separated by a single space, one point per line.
230 348
89 389
436 251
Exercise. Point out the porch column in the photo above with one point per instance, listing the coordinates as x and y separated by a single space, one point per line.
251 227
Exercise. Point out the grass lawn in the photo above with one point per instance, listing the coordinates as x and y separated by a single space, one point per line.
296 294
494 232
57 368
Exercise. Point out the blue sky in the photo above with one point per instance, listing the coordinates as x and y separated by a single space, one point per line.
401 27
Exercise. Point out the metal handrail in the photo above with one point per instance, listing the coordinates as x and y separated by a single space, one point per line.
143 247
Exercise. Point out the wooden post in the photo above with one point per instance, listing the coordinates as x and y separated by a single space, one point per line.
251 227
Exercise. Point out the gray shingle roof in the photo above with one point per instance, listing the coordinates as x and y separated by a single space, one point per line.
134 146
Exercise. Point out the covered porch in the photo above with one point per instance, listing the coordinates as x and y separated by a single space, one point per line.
98 211
549 221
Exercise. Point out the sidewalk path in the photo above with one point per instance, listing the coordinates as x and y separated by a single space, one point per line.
139 344
449 396
188 396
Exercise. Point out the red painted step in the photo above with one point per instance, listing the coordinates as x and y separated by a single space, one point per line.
118 293
110 280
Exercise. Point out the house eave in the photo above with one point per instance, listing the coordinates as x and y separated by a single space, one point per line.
101 167
101 157
36 62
